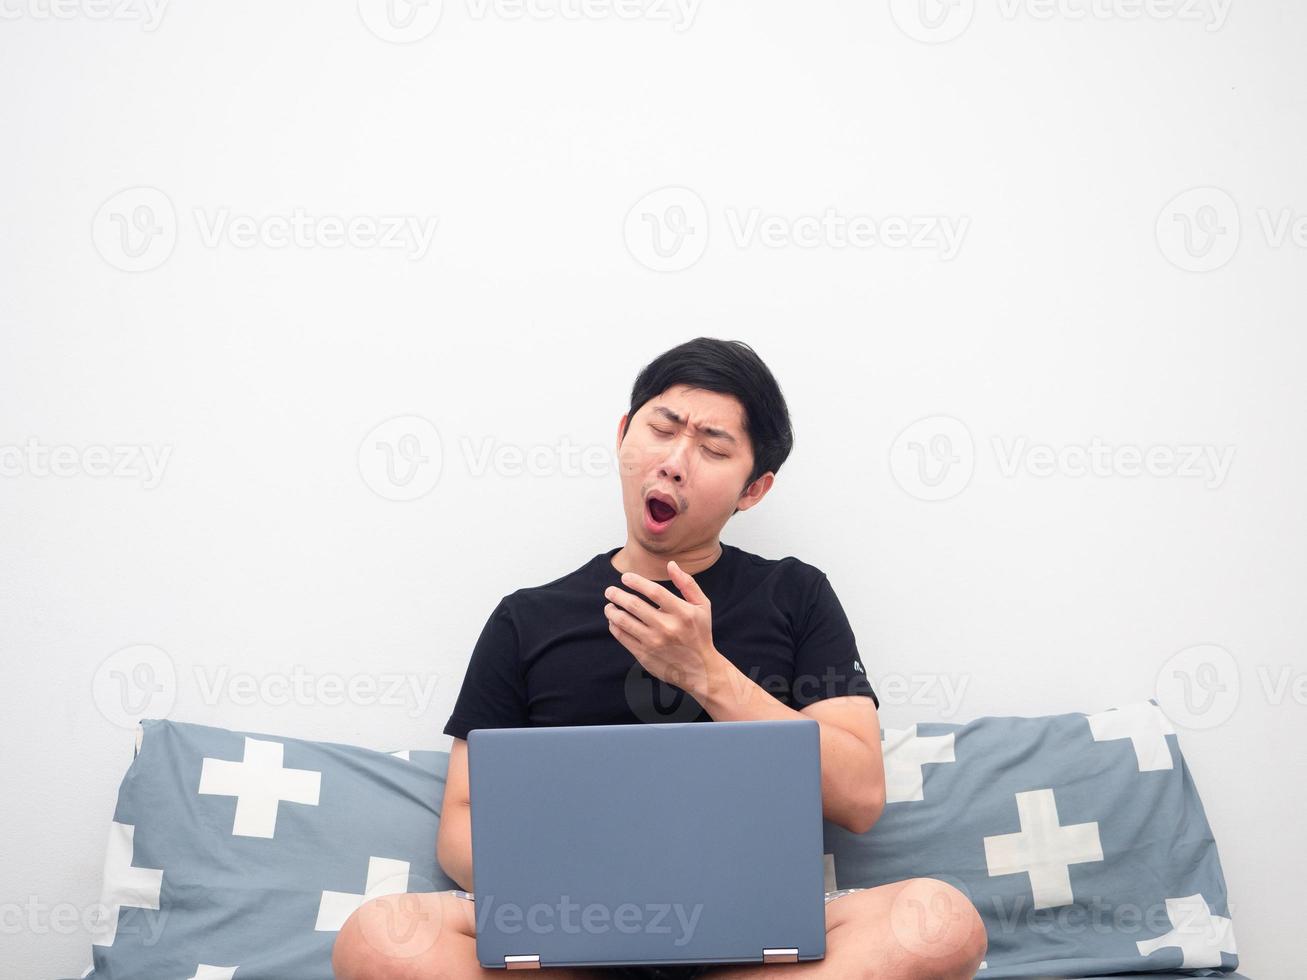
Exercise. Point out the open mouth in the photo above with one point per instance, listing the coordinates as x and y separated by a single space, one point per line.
660 511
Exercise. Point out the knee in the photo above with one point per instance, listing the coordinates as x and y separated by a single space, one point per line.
972 948
941 929
385 938
349 959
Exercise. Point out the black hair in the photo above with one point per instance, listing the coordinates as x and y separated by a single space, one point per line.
729 367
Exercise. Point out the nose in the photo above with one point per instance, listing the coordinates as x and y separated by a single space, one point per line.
674 459
673 468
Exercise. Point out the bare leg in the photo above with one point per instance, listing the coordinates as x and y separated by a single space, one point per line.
420 936
918 929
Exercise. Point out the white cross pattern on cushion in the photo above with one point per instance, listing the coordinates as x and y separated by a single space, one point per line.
904 754
206 972
1043 849
1201 936
386 876
259 784
1145 724
124 885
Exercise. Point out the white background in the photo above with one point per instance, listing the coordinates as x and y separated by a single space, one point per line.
1073 310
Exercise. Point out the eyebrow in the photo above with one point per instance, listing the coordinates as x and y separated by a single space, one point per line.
707 430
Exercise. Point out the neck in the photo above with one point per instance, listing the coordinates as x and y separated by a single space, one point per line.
633 557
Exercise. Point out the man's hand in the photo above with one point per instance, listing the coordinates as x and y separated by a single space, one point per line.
673 642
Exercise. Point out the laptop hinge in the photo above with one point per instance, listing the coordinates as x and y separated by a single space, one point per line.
784 954
526 962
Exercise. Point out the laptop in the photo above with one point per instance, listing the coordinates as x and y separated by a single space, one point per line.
647 844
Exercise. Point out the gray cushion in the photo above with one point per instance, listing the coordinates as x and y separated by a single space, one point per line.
215 875
227 881
1079 837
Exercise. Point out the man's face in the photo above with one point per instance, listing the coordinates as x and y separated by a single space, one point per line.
688 446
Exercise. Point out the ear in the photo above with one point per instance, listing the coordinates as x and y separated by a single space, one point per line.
755 491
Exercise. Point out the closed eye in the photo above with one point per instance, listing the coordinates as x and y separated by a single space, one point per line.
668 432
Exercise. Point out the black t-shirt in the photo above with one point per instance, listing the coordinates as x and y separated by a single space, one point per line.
546 657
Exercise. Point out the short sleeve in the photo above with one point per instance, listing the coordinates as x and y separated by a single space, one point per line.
826 660
494 692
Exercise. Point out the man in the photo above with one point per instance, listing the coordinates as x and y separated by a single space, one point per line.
678 626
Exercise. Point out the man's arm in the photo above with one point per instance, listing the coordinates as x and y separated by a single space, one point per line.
454 837
852 769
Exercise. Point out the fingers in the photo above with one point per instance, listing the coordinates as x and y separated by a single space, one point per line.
628 603
625 621
652 589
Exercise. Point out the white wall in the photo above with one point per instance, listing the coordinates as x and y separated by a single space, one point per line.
1071 309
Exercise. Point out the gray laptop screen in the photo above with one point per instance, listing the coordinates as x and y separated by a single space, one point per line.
641 844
